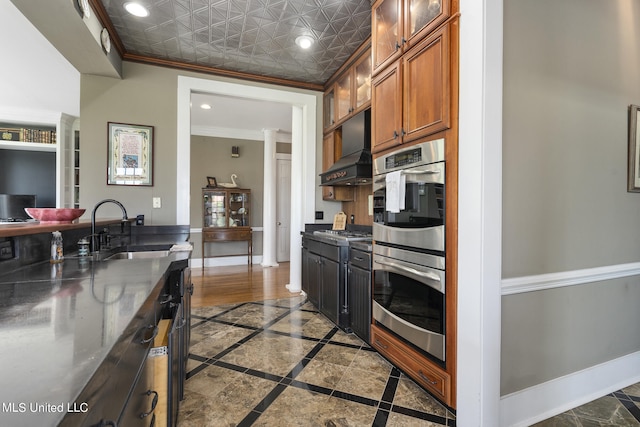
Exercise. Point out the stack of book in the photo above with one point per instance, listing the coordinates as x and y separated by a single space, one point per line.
42 136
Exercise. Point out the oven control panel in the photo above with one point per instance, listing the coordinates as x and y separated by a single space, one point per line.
423 153
404 158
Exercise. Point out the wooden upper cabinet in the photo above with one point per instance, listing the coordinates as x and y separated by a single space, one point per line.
386 108
397 25
353 88
427 77
412 97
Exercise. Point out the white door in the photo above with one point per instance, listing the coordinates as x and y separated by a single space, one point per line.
283 209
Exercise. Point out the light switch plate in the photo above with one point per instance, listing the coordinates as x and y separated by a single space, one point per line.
157 203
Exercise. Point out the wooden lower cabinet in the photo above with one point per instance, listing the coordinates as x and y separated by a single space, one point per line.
420 369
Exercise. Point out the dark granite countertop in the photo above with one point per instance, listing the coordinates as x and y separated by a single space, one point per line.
59 323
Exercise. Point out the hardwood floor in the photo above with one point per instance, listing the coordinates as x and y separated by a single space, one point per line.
239 283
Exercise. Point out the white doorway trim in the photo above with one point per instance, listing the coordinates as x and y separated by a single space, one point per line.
303 151
479 213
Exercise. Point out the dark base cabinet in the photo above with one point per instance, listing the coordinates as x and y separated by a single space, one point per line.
324 279
311 275
359 280
128 391
179 290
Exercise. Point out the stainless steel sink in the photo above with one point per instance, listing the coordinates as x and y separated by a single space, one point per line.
139 255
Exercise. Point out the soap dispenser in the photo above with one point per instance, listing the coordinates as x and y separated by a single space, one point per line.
56 247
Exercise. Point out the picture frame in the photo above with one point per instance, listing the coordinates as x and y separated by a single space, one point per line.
633 172
130 154
211 182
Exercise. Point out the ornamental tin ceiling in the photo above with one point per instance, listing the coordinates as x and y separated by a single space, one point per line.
247 36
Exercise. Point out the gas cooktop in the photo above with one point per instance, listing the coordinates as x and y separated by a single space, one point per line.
344 235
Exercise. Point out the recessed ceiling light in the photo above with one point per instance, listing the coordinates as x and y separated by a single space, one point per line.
205 107
136 9
304 42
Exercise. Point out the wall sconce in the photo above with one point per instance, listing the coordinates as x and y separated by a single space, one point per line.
235 151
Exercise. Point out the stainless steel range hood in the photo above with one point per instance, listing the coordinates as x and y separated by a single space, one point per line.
354 167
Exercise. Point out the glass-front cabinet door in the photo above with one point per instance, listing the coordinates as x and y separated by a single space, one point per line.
225 208
214 208
397 25
343 97
424 14
386 33
239 202
329 116
362 83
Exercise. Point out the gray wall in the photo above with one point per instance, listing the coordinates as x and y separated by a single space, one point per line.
145 95
570 72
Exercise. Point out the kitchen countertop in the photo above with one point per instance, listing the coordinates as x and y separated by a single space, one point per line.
60 322
336 241
35 227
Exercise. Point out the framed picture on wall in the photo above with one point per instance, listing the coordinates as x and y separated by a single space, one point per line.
633 173
130 154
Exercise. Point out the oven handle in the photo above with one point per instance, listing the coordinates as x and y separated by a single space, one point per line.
410 172
424 274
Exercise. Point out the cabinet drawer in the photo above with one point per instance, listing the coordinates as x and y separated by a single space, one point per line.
415 365
360 259
227 234
314 246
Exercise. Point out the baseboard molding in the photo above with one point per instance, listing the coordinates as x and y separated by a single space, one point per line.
542 282
225 261
537 403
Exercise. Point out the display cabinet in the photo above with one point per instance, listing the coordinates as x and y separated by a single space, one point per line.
226 218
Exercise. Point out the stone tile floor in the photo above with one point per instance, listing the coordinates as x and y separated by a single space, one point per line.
280 362
619 409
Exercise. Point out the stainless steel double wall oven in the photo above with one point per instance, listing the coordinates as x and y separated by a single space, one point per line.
409 236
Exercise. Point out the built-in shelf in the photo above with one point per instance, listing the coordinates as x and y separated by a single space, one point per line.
28 146
58 128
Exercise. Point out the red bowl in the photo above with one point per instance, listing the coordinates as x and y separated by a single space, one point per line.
54 215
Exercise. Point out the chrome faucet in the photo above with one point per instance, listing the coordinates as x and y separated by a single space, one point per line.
93 221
